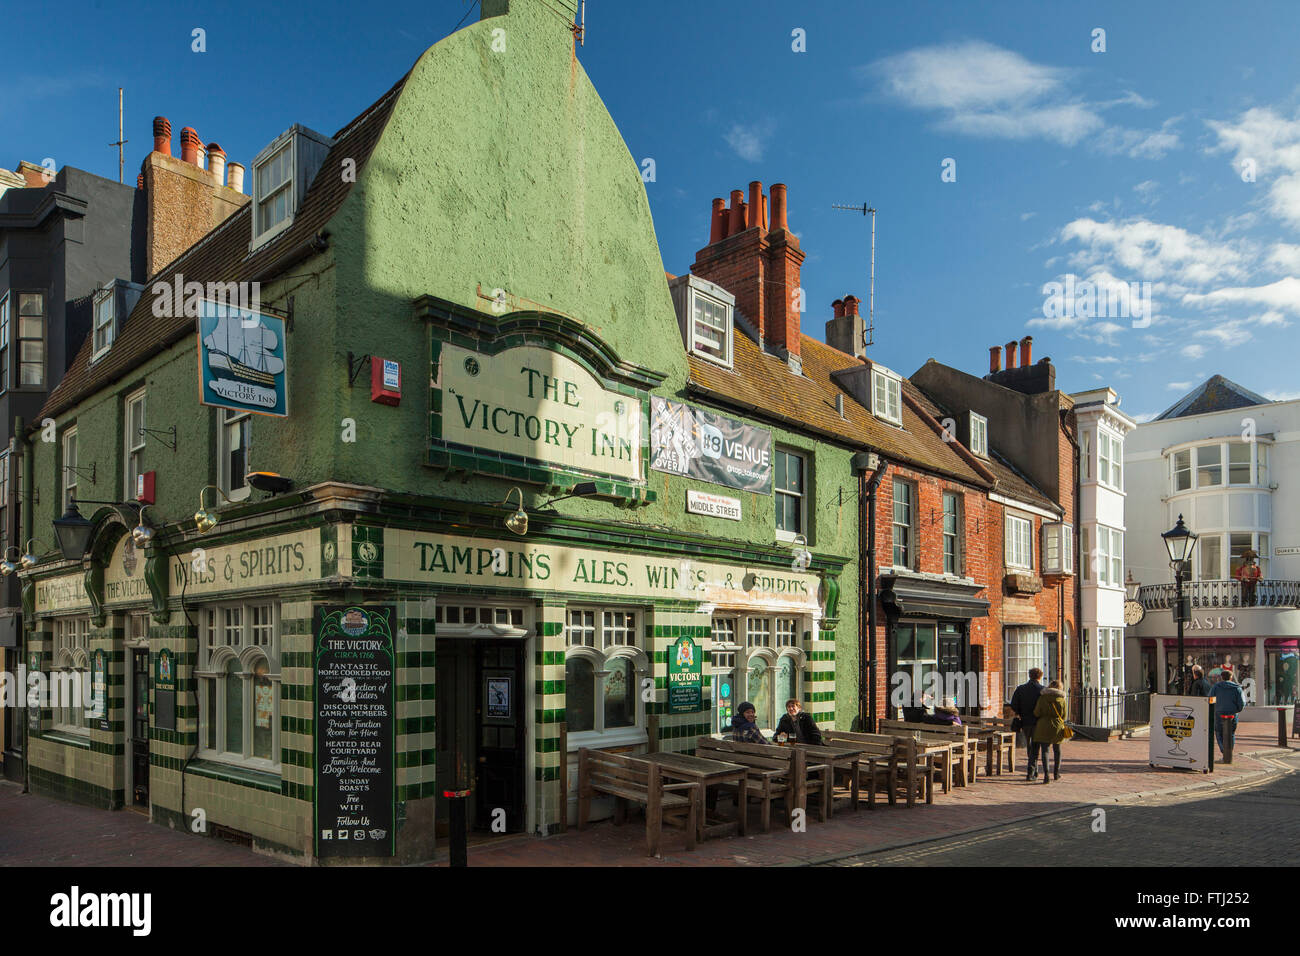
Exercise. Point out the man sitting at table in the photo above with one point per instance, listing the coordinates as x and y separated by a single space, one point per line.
744 729
798 725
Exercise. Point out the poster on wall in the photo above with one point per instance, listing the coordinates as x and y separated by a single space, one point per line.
34 713
99 689
1180 732
164 690
690 441
356 783
685 677
242 359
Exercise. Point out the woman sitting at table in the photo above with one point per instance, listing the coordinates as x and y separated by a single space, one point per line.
743 727
944 713
797 725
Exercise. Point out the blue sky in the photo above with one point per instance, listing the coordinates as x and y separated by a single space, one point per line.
1125 166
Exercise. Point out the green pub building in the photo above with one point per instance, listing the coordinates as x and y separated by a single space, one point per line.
471 486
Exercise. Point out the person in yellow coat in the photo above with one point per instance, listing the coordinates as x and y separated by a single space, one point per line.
1049 727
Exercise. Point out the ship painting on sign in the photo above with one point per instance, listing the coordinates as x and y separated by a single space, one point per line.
242 360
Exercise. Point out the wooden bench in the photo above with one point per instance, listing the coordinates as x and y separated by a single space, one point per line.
774 773
964 755
629 779
996 741
890 766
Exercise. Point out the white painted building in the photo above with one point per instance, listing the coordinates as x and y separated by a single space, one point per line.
1228 461
1101 517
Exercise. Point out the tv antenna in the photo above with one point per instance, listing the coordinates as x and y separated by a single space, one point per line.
580 27
120 141
869 335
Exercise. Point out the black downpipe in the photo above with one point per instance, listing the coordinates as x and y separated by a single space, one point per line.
867 661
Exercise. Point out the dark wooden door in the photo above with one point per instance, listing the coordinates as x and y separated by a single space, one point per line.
139 744
454 724
501 722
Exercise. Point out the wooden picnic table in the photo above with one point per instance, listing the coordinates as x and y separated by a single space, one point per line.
706 772
840 755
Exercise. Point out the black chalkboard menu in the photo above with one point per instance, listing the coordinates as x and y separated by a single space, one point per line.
356 784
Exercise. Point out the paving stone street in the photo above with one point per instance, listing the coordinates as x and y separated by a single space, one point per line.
999 821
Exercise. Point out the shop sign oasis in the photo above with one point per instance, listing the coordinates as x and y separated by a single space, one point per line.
451 560
536 405
689 441
685 677
242 360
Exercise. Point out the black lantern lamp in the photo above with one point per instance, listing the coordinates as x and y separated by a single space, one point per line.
73 532
1180 542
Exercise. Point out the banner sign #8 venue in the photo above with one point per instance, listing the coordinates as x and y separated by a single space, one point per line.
355 778
690 441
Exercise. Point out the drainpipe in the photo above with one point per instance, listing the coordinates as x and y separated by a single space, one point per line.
867 662
25 520
1078 591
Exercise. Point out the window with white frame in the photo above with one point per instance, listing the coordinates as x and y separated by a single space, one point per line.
31 339
273 181
239 684
69 465
979 435
1019 542
916 655
791 501
1058 548
4 342
953 534
904 524
1110 456
887 392
722 672
233 439
71 671
1182 470
1085 554
135 438
1110 656
1085 452
1209 466
1023 648
603 667
103 321
710 328
767 671
1108 556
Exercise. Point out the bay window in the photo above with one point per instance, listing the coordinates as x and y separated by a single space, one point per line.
1110 457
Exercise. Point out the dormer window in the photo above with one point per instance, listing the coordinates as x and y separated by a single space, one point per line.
281 174
979 435
887 395
705 312
105 321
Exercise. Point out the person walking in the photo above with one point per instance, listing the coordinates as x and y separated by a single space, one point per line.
1023 701
1050 727
1200 683
1228 703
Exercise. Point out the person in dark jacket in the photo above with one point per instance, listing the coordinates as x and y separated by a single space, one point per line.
944 713
1049 728
1200 683
1023 702
798 725
743 728
1228 703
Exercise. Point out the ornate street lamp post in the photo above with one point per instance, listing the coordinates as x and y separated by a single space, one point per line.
1180 542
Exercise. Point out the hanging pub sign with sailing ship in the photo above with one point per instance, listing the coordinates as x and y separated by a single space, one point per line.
242 360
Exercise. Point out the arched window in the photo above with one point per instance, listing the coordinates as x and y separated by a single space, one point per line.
70 676
766 670
603 670
239 685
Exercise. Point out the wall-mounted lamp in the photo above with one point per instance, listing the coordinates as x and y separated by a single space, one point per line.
268 481
802 556
29 559
142 534
204 519
518 521
8 567
72 531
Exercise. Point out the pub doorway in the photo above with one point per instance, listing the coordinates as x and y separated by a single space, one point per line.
137 749
482 719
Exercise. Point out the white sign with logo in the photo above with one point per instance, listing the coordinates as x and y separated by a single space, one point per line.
716 506
1180 732
1295 550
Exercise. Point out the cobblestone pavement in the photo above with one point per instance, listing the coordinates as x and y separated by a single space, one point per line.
42 831
1261 814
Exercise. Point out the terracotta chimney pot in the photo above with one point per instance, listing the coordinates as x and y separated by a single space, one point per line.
851 305
838 306
717 222
778 207
162 135
736 217
755 206
995 358
1011 354
1026 349
190 145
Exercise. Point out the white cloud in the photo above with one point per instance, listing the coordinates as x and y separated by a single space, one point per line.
1227 334
1152 251
750 141
1145 417
1284 257
1026 216
1271 143
1282 295
1282 396
1179 386
1193 351
984 90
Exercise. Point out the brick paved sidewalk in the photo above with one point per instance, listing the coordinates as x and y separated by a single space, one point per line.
1090 773
43 831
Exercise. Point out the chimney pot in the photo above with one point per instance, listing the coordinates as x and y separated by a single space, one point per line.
235 176
736 213
190 145
851 305
1026 348
838 306
755 205
162 135
717 221
217 163
744 216
778 207
1011 354
995 359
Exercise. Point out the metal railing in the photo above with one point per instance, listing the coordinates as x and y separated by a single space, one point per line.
1215 594
1109 707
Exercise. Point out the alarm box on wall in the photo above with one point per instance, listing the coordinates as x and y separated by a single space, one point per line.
385 380
144 485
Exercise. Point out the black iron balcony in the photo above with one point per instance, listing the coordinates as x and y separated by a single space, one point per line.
1221 594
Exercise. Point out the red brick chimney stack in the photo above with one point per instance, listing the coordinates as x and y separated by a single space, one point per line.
995 359
1026 350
